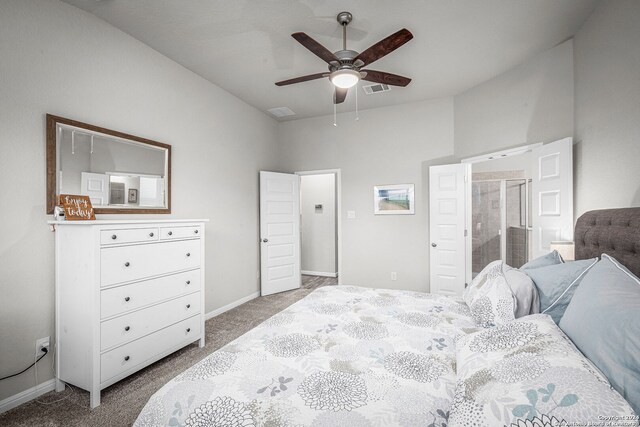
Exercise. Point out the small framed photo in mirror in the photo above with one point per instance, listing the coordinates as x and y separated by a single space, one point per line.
133 195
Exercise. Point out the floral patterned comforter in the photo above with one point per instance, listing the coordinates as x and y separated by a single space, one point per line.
527 373
342 356
351 356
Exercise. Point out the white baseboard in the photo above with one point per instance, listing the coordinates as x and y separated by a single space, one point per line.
229 306
27 395
318 273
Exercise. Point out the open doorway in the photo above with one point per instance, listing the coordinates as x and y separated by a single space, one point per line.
319 227
541 179
501 208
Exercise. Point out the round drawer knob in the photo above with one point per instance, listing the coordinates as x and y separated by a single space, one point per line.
188 330
170 233
196 231
126 328
114 237
188 282
188 253
126 358
188 305
127 299
126 264
151 234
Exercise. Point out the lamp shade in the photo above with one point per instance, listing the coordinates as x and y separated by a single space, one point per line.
565 249
345 78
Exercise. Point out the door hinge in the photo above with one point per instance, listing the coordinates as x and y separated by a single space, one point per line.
466 233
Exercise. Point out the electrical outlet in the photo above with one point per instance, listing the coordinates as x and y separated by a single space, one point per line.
394 275
258 274
42 343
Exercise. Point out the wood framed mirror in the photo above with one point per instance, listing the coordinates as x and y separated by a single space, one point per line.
121 173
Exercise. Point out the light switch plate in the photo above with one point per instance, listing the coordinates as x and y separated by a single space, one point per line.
351 214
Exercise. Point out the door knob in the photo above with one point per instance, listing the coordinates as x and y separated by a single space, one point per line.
434 245
265 240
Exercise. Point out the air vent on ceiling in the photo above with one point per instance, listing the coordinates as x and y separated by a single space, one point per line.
281 111
376 88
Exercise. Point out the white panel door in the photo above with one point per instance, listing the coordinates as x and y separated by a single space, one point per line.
279 232
552 195
447 218
96 186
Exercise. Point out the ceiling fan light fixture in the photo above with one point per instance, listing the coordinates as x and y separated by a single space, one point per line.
345 78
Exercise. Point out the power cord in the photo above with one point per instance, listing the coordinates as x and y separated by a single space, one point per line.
52 402
44 350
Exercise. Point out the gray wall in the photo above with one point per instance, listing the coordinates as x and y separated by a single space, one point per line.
113 156
57 59
607 124
386 146
529 103
74 159
318 227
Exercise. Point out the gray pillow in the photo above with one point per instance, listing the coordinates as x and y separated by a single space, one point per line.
524 292
557 284
603 321
551 258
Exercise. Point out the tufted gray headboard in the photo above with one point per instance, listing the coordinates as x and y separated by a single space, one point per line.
615 232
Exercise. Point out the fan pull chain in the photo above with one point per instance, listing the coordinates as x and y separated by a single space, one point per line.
357 115
335 123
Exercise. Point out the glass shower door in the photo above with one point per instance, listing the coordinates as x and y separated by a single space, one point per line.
486 224
499 222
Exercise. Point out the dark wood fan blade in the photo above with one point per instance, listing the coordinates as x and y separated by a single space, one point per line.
386 78
339 95
302 79
315 47
385 46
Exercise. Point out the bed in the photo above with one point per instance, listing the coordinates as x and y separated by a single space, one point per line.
354 356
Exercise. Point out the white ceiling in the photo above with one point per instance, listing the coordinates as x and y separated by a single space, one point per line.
244 46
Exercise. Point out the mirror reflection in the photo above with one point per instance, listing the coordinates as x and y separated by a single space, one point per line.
114 172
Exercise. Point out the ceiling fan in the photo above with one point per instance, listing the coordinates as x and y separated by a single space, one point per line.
345 66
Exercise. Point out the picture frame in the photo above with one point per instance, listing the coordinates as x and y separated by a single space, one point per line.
133 195
396 199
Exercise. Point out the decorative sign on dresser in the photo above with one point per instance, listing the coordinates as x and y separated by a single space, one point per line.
77 207
128 293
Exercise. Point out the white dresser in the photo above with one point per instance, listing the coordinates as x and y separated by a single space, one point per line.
128 292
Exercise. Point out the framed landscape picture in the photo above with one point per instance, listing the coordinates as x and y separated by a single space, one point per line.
395 199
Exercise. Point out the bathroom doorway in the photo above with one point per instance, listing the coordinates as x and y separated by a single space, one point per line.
500 218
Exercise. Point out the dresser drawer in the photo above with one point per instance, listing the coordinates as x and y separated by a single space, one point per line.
132 326
131 235
127 263
168 233
136 353
125 298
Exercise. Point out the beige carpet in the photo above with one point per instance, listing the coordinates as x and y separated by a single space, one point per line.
122 402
